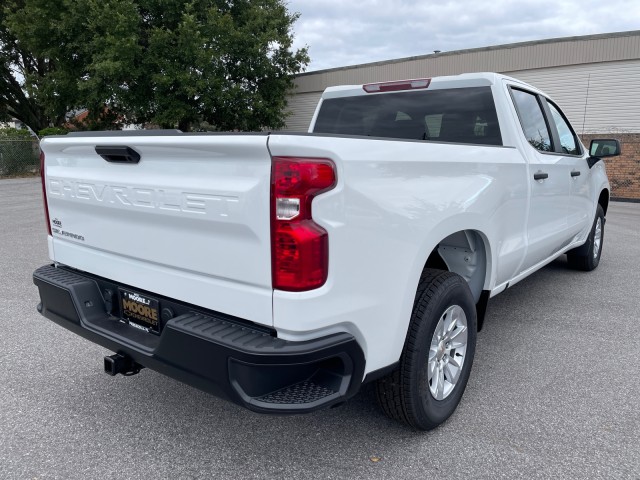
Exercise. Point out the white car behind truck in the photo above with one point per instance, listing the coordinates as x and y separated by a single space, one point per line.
282 271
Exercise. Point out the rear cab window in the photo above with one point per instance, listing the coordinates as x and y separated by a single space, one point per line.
457 115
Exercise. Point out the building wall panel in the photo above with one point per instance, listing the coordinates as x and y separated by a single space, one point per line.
502 58
300 111
596 97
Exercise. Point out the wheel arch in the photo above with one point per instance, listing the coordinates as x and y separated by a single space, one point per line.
468 254
603 200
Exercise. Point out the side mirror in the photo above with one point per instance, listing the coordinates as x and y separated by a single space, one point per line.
604 148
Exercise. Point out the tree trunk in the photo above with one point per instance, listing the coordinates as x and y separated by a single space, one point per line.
184 125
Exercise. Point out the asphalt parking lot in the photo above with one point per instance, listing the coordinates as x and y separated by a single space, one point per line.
554 391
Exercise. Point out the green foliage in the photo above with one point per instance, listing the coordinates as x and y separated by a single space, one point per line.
52 131
224 63
19 133
16 62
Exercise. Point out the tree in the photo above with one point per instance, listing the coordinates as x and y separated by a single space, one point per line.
228 64
16 63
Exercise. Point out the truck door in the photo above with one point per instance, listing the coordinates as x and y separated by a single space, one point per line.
550 180
580 204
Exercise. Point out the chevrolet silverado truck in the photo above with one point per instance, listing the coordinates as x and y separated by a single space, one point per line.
283 271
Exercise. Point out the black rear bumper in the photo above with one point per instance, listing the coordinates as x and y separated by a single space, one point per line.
227 357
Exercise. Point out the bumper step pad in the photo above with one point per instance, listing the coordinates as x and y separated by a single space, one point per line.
298 394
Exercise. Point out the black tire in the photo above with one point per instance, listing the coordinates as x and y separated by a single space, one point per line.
586 257
404 394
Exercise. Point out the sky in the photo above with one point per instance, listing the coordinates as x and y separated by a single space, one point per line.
346 32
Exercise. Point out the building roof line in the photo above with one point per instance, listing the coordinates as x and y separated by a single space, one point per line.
507 46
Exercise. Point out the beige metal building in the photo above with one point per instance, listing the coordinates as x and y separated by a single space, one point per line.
595 79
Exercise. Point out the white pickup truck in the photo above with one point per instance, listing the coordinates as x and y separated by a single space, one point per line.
282 271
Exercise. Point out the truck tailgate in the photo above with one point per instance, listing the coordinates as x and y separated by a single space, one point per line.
189 221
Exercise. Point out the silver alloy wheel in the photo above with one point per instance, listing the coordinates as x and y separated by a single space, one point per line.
447 352
597 238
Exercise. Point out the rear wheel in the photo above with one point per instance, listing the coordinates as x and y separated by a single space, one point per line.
587 257
438 353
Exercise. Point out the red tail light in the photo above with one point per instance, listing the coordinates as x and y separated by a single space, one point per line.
299 246
44 193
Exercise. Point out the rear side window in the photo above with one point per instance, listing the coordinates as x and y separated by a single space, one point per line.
460 115
532 120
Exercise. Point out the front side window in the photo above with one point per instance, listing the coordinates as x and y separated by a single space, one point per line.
532 120
568 140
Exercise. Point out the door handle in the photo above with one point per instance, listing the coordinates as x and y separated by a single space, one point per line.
575 173
118 153
540 176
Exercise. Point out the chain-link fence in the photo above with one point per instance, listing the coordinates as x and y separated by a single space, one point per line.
19 156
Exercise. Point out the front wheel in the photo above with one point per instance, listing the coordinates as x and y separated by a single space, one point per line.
438 353
587 257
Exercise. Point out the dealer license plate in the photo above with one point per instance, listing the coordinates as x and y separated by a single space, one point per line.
140 310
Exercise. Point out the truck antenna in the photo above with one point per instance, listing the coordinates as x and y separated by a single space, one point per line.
586 100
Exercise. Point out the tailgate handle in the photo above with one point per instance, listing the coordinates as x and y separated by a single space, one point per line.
118 154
